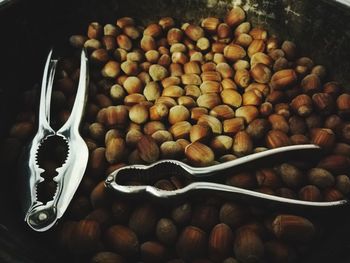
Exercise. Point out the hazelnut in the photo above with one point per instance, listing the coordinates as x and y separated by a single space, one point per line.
242 78
115 150
148 149
289 49
143 220
332 88
208 100
210 24
332 194
181 130
170 150
231 98
105 256
158 72
192 243
261 73
124 42
293 228
257 45
343 105
173 91
234 125
268 178
258 33
290 175
244 40
153 30
325 138
310 193
138 114
283 78
182 214
166 231
222 112
225 70
125 21
242 180
262 58
152 251
248 246
221 144
277 251
248 113
235 16
123 240
343 183
197 112
224 33
336 164
297 125
232 214
265 109
151 127
242 144
130 68
258 128
194 32
220 242
278 122
241 64
86 236
158 112
234 52
212 122
199 154
200 132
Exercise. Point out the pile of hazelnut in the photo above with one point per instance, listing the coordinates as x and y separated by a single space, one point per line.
203 94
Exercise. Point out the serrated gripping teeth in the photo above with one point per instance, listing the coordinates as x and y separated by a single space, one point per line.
56 159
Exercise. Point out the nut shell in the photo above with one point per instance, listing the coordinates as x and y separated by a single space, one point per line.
220 242
199 154
248 246
293 228
192 243
283 79
148 149
123 240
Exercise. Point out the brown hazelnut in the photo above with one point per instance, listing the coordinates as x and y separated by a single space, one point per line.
293 228
232 214
220 242
148 149
291 176
244 180
261 73
192 243
123 241
143 220
310 193
199 154
242 144
336 164
235 16
248 246
222 112
234 52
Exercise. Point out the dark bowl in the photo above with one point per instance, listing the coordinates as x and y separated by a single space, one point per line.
321 30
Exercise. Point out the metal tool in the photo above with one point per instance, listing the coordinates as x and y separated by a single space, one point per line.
145 173
39 215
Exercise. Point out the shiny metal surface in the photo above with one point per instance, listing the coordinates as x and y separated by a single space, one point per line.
178 168
38 215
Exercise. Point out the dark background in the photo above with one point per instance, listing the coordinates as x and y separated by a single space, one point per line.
29 28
